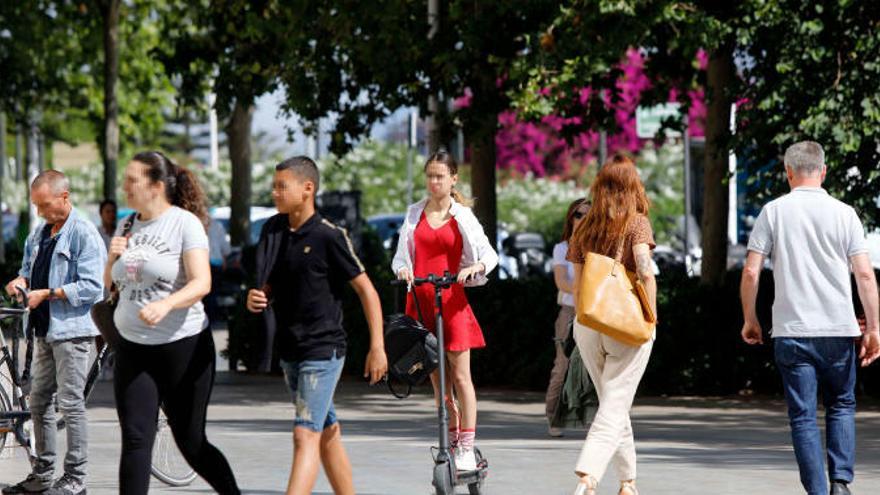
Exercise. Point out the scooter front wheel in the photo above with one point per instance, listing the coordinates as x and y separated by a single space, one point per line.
443 479
475 488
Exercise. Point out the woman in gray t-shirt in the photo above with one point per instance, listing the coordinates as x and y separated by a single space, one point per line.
165 356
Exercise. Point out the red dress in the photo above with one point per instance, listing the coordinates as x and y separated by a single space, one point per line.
439 250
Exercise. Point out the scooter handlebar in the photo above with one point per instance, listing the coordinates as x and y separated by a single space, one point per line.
444 280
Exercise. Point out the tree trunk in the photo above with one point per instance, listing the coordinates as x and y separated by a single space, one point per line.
42 153
482 140
32 161
111 105
720 76
19 151
239 134
2 178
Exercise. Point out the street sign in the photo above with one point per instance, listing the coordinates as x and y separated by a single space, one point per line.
649 119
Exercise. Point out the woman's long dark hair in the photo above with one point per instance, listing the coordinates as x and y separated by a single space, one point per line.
182 187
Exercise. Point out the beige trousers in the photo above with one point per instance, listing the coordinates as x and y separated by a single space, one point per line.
615 370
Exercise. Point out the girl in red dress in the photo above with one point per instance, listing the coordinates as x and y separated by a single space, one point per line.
442 234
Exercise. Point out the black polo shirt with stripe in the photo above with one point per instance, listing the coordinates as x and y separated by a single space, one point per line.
315 262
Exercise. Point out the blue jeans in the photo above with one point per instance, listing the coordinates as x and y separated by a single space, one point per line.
312 385
825 365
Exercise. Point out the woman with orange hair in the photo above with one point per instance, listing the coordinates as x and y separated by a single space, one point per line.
616 226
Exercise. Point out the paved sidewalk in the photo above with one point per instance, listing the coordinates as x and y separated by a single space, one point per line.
686 446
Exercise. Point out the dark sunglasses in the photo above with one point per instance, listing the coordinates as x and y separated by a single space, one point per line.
578 215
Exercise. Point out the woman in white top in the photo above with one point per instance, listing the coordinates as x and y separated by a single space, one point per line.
442 234
165 355
563 276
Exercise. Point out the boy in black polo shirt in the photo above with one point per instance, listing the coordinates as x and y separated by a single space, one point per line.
303 265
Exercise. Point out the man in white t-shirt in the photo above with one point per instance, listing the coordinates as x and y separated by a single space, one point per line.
813 240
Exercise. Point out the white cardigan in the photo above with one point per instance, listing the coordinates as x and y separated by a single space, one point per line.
476 246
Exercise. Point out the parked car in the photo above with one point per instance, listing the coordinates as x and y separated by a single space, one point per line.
259 215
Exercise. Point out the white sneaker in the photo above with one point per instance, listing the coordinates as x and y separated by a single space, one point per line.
554 432
465 460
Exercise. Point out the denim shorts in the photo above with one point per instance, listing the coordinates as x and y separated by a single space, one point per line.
312 385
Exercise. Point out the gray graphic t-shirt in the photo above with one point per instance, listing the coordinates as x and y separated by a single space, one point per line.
150 269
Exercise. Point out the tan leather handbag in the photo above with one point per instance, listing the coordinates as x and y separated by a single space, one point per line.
612 300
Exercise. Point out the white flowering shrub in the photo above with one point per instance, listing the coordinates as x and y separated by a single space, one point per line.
662 172
378 170
536 204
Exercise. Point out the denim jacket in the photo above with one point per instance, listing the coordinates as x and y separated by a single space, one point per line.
77 267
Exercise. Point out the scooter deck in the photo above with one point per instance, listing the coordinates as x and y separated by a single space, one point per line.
468 477
479 474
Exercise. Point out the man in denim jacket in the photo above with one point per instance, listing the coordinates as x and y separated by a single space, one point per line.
62 266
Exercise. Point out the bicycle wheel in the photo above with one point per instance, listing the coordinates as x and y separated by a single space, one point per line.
5 424
169 466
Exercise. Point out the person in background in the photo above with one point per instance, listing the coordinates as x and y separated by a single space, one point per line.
616 226
441 233
165 356
815 241
218 250
563 276
108 212
62 268
303 264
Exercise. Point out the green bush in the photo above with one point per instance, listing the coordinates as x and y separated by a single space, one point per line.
698 350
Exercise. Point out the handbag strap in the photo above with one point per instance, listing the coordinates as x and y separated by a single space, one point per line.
129 223
126 228
394 392
618 254
418 310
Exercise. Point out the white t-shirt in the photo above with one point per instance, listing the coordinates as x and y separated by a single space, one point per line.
150 269
810 238
559 252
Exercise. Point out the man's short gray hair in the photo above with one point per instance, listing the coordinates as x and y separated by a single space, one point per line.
56 181
805 158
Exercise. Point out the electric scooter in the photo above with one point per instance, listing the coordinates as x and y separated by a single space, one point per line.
446 476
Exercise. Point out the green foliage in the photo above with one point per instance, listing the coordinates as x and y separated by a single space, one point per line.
378 170
698 350
536 204
662 173
52 59
809 82
35 53
798 77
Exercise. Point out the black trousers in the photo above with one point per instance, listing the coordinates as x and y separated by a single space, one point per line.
179 376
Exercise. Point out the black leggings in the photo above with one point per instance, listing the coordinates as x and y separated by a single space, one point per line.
180 376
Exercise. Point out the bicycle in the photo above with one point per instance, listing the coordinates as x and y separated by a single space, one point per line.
15 415
168 464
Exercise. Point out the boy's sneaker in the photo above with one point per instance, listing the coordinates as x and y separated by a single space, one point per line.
554 431
31 484
67 485
465 460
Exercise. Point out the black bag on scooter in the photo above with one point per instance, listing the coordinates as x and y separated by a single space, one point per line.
411 350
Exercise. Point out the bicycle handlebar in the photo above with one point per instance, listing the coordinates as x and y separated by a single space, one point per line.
23 294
